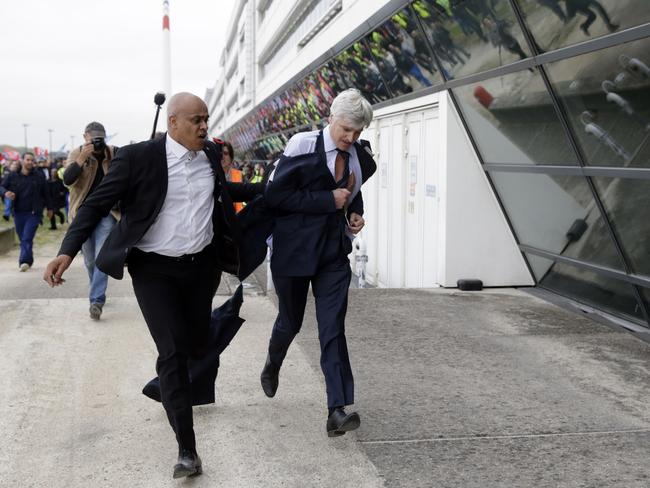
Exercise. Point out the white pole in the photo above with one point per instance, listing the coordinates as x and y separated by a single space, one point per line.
167 63
49 158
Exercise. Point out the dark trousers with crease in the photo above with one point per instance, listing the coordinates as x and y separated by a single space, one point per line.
175 298
330 289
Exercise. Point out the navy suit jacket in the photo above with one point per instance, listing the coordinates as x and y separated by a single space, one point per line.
301 194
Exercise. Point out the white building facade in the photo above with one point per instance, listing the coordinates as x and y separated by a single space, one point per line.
502 154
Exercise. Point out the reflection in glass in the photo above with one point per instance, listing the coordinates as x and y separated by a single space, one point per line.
586 286
270 148
607 97
556 213
645 295
356 68
402 56
556 23
316 106
513 120
470 36
334 80
627 202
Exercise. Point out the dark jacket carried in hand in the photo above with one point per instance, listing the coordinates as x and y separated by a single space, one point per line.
137 178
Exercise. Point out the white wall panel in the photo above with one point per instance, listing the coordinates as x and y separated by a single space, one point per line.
396 225
478 241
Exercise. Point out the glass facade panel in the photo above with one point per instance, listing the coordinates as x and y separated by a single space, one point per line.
607 97
402 55
557 214
587 287
269 148
556 23
645 294
334 80
470 36
627 202
356 68
513 120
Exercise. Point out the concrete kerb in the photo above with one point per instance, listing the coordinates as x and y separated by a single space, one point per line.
6 240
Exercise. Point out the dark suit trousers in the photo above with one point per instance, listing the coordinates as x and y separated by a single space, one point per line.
176 300
330 289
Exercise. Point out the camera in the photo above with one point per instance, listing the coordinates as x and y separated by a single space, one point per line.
98 144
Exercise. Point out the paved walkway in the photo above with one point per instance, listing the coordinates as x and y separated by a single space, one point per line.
485 389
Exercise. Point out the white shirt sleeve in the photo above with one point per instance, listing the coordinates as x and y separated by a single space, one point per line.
301 143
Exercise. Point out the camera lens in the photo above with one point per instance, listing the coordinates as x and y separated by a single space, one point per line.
98 144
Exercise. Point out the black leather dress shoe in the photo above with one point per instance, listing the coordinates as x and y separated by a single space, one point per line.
189 464
269 378
339 422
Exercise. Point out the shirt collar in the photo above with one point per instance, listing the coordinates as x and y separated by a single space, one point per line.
328 142
177 148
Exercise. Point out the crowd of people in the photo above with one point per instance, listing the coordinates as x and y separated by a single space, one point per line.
37 191
32 193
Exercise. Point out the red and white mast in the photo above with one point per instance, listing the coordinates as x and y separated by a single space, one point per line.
167 64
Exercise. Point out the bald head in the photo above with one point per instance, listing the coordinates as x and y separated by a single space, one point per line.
187 120
183 101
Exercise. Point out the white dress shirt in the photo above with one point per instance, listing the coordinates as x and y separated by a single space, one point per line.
184 224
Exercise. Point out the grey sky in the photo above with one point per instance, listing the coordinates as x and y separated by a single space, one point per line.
68 62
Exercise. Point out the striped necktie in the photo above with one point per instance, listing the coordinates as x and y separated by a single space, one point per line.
342 168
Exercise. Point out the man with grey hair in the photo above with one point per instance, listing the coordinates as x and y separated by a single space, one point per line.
316 192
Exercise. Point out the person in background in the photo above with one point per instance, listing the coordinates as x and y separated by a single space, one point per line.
500 36
14 167
247 171
233 174
27 189
58 193
586 8
86 168
60 171
258 174
44 167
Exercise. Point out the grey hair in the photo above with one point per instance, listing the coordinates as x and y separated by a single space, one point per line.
353 107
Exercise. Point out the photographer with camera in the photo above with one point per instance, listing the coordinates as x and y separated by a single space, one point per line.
86 168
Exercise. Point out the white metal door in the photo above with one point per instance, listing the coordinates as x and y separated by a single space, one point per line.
421 191
406 220
413 209
383 199
370 201
396 203
431 145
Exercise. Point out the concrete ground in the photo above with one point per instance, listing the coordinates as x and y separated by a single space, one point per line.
484 389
